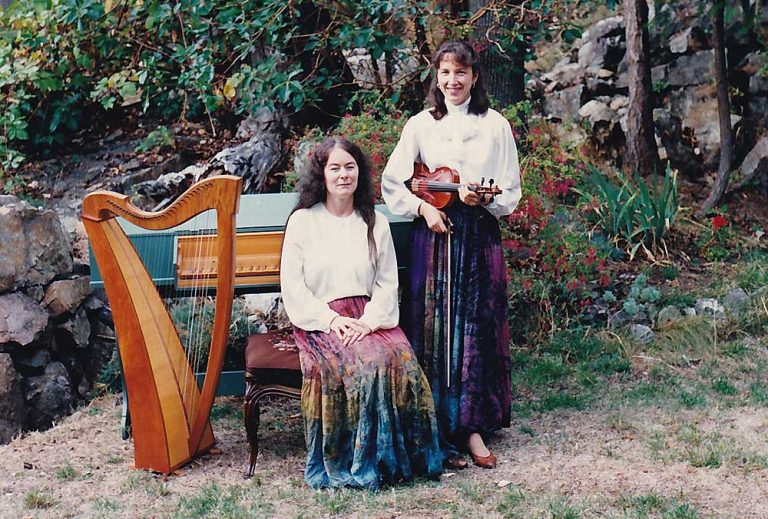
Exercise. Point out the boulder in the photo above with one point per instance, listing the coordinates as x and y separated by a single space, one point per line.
641 333
49 396
564 104
75 331
22 320
736 302
667 316
696 106
693 69
41 250
66 295
709 307
601 46
12 409
678 144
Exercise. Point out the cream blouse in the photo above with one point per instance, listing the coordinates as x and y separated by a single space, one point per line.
325 257
476 146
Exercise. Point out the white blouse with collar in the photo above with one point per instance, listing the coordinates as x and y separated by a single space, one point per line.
477 146
325 257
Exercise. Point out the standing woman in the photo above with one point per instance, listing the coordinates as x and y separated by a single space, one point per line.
461 132
368 412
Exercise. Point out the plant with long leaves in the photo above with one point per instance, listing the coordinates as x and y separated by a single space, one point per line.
629 212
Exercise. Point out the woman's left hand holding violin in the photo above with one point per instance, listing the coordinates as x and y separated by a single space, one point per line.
348 329
470 197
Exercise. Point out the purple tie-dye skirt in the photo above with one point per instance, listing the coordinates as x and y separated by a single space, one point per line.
479 398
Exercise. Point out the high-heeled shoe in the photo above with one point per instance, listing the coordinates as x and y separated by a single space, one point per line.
485 462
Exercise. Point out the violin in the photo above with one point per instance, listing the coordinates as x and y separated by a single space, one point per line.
441 186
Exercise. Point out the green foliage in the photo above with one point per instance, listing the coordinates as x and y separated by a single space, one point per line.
157 138
38 499
641 297
66 63
717 242
66 473
753 274
630 213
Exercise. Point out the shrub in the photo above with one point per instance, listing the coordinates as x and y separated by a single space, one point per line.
552 264
376 131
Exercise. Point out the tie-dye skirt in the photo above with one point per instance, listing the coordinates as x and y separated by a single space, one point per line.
479 398
368 410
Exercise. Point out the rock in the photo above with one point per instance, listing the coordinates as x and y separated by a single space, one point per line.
263 121
49 396
13 413
709 308
34 359
680 151
564 104
736 302
667 316
689 312
641 333
596 111
360 63
75 331
678 43
618 320
40 251
563 76
752 64
66 295
755 161
694 69
252 160
696 106
22 321
597 47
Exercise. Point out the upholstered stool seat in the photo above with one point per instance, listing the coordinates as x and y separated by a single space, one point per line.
272 368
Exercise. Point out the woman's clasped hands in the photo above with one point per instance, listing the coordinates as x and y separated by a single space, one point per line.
348 329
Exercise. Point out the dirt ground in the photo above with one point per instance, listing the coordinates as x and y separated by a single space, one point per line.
589 463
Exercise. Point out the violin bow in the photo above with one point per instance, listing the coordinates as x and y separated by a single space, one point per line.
448 356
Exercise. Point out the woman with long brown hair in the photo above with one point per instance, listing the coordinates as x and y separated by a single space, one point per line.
458 279
368 412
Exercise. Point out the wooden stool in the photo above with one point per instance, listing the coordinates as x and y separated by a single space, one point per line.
271 368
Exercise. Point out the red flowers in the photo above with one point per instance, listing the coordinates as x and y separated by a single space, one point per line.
719 222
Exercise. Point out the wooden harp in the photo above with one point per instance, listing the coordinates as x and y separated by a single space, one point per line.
169 410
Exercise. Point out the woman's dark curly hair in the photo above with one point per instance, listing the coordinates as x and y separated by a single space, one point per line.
462 53
312 183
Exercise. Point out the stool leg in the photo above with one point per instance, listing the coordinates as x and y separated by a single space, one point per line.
252 416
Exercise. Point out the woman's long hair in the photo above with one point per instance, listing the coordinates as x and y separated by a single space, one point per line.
312 184
465 55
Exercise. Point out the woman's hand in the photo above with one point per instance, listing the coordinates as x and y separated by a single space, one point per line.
348 329
470 197
434 217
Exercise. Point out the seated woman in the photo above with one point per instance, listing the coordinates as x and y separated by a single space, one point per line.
368 410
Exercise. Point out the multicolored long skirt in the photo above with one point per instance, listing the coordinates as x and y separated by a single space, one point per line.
368 412
479 398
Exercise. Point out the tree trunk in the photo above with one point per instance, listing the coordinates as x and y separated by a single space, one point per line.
642 155
723 110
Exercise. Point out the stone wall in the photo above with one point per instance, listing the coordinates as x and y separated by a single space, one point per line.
53 340
587 89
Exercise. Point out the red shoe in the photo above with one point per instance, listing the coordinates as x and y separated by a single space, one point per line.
485 462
